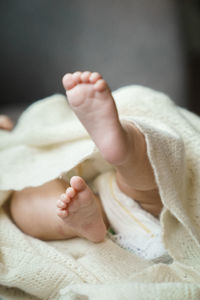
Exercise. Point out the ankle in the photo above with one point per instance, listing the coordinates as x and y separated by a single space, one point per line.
115 148
136 144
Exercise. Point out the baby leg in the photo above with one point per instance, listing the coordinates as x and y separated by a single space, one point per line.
121 144
37 212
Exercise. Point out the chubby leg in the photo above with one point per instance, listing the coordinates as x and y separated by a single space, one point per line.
121 144
35 211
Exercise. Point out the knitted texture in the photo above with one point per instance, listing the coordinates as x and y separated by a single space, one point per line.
49 141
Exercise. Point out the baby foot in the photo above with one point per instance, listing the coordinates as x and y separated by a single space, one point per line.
91 100
79 210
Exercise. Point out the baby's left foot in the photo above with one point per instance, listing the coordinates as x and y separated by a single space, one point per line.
79 210
5 123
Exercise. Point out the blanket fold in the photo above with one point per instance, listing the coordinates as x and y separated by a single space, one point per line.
128 290
49 141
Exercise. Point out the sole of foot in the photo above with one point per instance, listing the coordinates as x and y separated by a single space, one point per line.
79 210
90 98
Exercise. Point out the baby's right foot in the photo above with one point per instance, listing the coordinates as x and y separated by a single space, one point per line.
79 210
90 98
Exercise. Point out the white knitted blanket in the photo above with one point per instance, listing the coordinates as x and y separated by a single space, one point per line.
49 141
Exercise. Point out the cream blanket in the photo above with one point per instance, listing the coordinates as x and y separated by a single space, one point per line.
49 141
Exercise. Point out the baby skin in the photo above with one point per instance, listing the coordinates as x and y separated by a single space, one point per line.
78 211
5 123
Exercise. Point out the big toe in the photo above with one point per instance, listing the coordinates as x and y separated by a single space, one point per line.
78 183
101 85
68 81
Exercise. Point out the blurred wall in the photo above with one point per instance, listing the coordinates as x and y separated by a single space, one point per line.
190 19
129 42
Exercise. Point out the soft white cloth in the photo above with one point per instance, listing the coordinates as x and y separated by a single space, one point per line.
49 141
132 290
135 229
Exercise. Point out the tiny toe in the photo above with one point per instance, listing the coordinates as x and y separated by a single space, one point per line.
94 77
63 197
100 85
68 199
68 81
61 204
85 76
77 77
70 192
78 183
62 213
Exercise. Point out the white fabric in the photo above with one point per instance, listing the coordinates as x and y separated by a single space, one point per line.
49 141
130 290
135 229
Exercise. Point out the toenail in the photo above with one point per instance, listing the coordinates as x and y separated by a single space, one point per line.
63 196
67 76
78 73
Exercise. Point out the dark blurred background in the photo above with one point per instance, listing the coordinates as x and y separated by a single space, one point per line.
152 43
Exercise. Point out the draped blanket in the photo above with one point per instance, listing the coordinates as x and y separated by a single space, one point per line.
49 141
